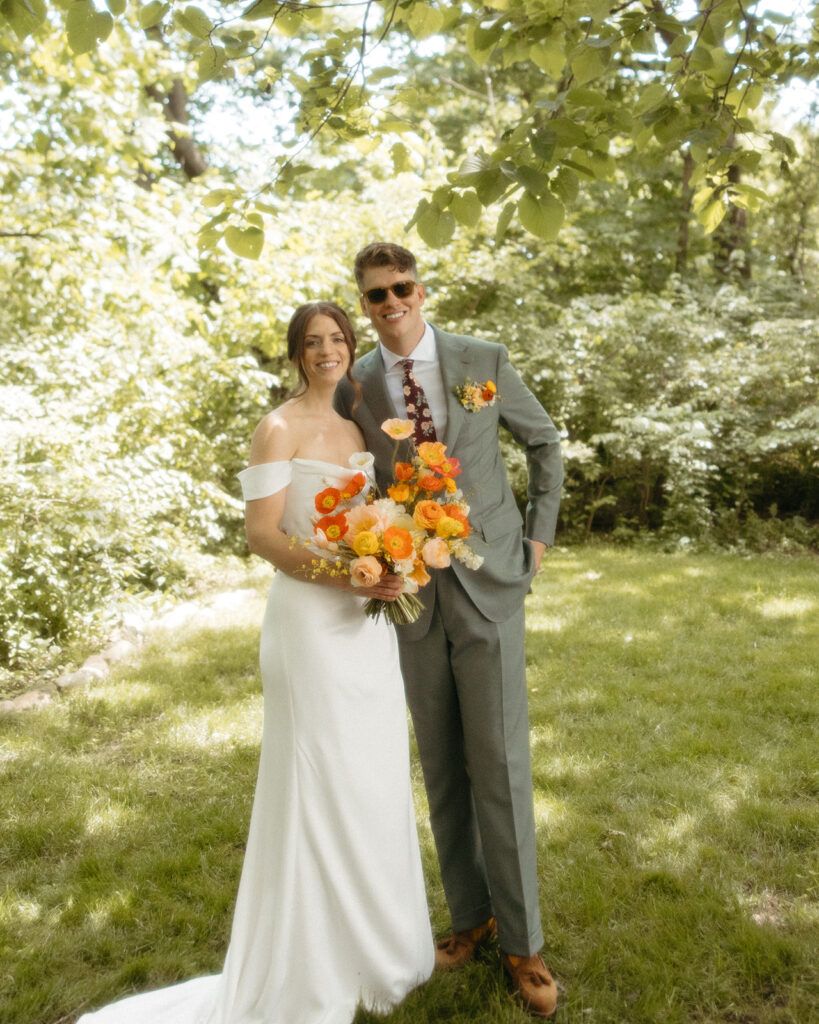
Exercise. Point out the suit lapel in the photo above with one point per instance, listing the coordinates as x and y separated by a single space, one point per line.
453 357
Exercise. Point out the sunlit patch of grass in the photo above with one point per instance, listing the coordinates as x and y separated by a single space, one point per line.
673 710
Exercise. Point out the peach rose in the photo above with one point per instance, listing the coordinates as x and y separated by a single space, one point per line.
427 513
435 553
398 429
362 517
365 572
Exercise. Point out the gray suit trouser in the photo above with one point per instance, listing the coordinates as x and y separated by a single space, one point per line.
466 689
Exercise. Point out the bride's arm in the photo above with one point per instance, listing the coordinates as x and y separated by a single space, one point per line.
273 442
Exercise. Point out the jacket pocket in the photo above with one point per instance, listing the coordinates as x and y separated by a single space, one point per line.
499 524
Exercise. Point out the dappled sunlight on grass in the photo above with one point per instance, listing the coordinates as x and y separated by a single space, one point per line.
788 607
213 728
675 805
108 817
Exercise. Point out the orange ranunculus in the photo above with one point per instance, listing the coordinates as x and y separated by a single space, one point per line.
365 543
487 395
327 500
354 485
427 513
432 453
398 542
456 512
430 482
404 471
449 527
436 553
365 572
398 429
333 527
399 492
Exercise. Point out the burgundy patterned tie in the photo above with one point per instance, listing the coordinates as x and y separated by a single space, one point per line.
417 406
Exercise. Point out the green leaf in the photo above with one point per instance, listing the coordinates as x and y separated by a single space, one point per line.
490 185
566 185
710 216
424 21
549 57
505 219
542 217
436 226
210 63
400 158
152 13
85 26
467 208
24 16
589 64
116 7
194 20
245 242
288 22
218 196
532 180
261 10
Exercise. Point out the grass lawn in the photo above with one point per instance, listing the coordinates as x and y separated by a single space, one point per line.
676 766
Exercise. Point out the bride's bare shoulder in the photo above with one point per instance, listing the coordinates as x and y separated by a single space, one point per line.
276 439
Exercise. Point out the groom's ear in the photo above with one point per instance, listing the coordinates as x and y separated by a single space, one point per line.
422 293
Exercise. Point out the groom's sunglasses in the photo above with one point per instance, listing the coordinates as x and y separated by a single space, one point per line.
401 290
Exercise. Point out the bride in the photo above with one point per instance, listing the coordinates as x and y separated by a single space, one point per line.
331 910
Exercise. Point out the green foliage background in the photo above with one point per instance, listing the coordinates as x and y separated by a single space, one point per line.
138 349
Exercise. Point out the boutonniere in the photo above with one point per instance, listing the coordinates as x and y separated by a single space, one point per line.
475 396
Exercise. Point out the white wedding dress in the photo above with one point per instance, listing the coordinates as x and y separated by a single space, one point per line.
331 910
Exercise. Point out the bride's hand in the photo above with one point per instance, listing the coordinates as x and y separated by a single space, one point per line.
386 589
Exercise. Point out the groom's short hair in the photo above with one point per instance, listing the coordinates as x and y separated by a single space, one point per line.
384 254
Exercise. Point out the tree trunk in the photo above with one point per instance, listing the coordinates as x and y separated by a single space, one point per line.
174 106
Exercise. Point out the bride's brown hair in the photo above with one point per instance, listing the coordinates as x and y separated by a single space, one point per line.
297 329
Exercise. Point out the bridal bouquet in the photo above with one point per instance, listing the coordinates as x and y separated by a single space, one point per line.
421 524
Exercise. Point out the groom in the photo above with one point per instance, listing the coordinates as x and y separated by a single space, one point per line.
463 660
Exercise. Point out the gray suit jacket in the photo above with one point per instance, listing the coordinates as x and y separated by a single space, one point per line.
501 584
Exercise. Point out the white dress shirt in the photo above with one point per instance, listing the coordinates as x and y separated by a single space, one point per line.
427 371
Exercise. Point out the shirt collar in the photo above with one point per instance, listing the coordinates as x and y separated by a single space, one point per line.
424 351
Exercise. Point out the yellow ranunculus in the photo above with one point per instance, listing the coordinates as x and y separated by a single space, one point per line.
448 527
365 543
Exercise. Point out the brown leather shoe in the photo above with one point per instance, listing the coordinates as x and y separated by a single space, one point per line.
532 982
460 947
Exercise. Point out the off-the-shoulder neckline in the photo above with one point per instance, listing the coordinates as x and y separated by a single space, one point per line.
314 462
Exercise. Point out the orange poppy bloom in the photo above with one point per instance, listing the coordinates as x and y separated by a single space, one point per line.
327 499
404 471
432 453
430 482
420 574
399 492
398 542
333 527
353 486
449 467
